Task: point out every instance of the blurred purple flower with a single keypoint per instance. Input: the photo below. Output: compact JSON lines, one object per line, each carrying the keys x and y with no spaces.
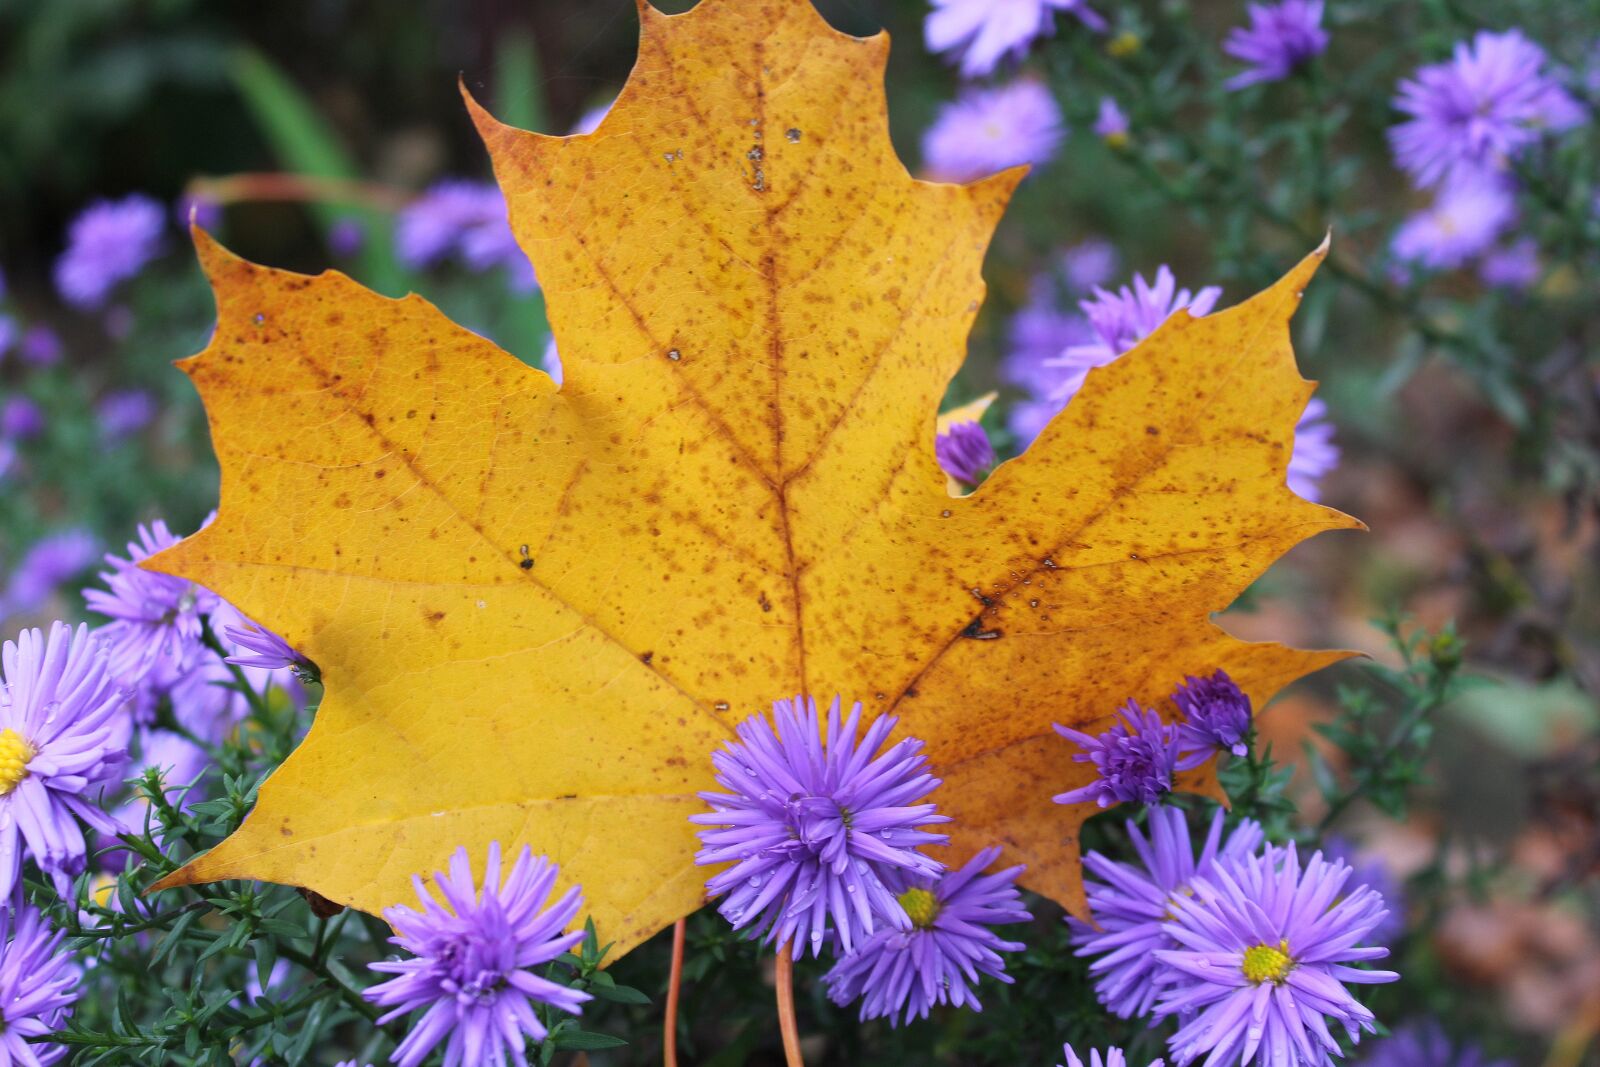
{"x":8,"y":334}
{"x":38,"y":986}
{"x":590,"y":120}
{"x":1479,"y":109}
{"x":345,"y":238}
{"x":201,"y":211}
{"x":466,"y":220}
{"x":1370,"y":870}
{"x":110,"y":242}
{"x":902,"y":974}
{"x":964,"y":452}
{"x":1114,"y":1057}
{"x":8,"y":456}
{"x":40,"y":346}
{"x":984,"y":33}
{"x":1514,"y":266}
{"x":987,"y":130}
{"x":1131,"y":903}
{"x":1134,"y":760}
{"x":1216,"y":718}
{"x":473,"y":961}
{"x":155,"y":633}
{"x":1089,"y":263}
{"x":1425,"y":1044}
{"x":52,"y":560}
{"x":816,"y":828}
{"x":550,"y":361}
{"x":21,"y":419}
{"x":1465,"y":218}
{"x":1266,"y":948}
{"x":123,"y":412}
{"x":1280,"y":38}
{"x":63,"y":740}
{"x":1110,"y":124}
{"x":1028,"y":418}
{"x":1315,"y":454}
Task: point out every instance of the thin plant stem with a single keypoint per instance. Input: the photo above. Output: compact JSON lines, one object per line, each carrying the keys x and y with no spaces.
{"x":669,"y":1028}
{"x":788,"y":1026}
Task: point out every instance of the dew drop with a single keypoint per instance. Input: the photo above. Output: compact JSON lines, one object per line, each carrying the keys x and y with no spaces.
{"x":674,"y":355}
{"x":793,"y":134}
{"x":945,"y":514}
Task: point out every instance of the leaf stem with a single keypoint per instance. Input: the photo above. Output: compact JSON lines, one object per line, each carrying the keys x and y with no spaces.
{"x":788,"y":1026}
{"x":669,"y":1026}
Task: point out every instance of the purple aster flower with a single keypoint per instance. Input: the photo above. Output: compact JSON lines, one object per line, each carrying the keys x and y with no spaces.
{"x":1088,"y":263}
{"x":1265,"y":952}
{"x":123,"y":412}
{"x":984,"y":33}
{"x":109,"y":243}
{"x":474,"y":955}
{"x":1110,"y":124}
{"x":1114,"y":1057}
{"x":155,"y":634}
{"x":1122,"y":319}
{"x":466,"y":220}
{"x":52,"y":560}
{"x":1515,"y":266}
{"x":257,"y":647}
{"x":1280,"y":38}
{"x":1425,"y":1044}
{"x":345,"y":238}
{"x":1464,"y":219}
{"x":964,"y":452}
{"x":902,"y":974}
{"x":1315,"y":454}
{"x":988,"y":130}
{"x":1130,"y":903}
{"x":40,"y":346}
{"x":21,"y":419}
{"x":63,"y":739}
{"x":818,"y":827}
{"x":1482,"y":107}
{"x":1135,"y":759}
{"x":1038,"y":333}
{"x":1370,"y":870}
{"x":1216,"y":718}
{"x":38,"y":986}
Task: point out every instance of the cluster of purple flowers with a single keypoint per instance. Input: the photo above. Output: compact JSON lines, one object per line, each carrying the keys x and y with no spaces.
{"x":1469,"y":120}
{"x":465,"y":221}
{"x":1053,"y":351}
{"x":820,"y":829}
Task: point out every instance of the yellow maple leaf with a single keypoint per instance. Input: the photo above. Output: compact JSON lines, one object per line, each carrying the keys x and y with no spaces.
{"x":537,"y":611}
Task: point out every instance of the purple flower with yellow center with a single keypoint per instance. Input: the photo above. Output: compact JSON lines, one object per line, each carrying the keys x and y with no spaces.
{"x":1280,"y":38}
{"x":155,"y":634}
{"x":1135,"y":759}
{"x":1130,"y":903}
{"x":1123,"y":318}
{"x":63,"y":740}
{"x":106,"y":245}
{"x":819,"y":827}
{"x":1471,"y":115}
{"x":965,"y":452}
{"x":40,"y":347}
{"x":903,"y":974}
{"x":465,"y":220}
{"x":1114,"y":1057}
{"x":1265,"y":953}
{"x":21,"y":419}
{"x":1216,"y":718}
{"x":985,"y":33}
{"x":1110,"y":124}
{"x":52,"y":560}
{"x":1464,"y":220}
{"x":473,"y":955}
{"x":987,"y":130}
{"x":38,"y":986}
{"x":1425,"y":1044}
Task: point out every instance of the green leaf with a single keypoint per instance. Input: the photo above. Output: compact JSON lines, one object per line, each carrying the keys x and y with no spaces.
{"x":584,"y":1040}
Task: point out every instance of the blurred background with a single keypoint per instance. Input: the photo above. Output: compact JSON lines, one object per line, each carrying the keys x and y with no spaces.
{"x":318,"y":133}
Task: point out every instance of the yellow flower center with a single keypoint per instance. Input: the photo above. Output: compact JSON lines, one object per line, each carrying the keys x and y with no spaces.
{"x":921,"y":905}
{"x":1267,"y":964}
{"x":1124,"y":44}
{"x":15,"y":752}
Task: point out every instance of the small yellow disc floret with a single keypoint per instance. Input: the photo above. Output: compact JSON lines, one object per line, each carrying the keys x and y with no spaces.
{"x":1267,"y":964}
{"x":921,"y":905}
{"x":15,"y":752}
